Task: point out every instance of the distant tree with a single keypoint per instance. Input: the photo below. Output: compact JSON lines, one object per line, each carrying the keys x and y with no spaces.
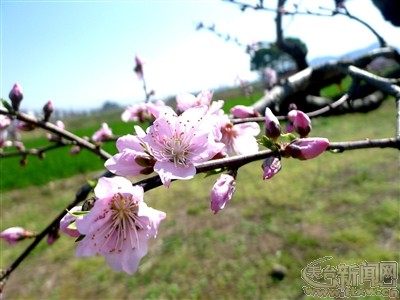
{"x":110,"y":105}
{"x":273,"y":57}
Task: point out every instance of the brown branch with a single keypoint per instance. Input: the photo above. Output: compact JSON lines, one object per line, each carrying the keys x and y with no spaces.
{"x":236,"y":162}
{"x":34,"y":151}
{"x":311,"y":114}
{"x":60,"y":132}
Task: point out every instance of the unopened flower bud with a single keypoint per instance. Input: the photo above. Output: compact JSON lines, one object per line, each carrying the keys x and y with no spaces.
{"x":16,"y":96}
{"x":53,"y":236}
{"x":48,"y":109}
{"x":272,"y":126}
{"x":222,"y":192}
{"x":242,"y":111}
{"x":306,"y":148}
{"x":138,"y":67}
{"x":301,"y":122}
{"x":271,"y":166}
{"x":13,"y":235}
{"x":75,"y":150}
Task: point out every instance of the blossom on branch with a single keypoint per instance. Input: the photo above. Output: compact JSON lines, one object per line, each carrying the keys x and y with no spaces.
{"x":185,"y":101}
{"x":102,"y":134}
{"x":239,"y":138}
{"x":177,"y":143}
{"x":136,"y":113}
{"x":119,"y":225}
{"x":133,"y":157}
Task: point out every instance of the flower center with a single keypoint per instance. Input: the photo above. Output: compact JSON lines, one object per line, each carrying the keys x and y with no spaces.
{"x":124,"y":223}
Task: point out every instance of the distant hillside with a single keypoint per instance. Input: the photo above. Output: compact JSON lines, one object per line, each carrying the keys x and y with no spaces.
{"x":350,"y":55}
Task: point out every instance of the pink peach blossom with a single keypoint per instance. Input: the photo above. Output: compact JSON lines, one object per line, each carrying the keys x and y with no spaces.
{"x":133,"y":157}
{"x":119,"y":225}
{"x":177,"y":143}
{"x":186,"y":100}
{"x":103,"y":133}
{"x":240,"y":138}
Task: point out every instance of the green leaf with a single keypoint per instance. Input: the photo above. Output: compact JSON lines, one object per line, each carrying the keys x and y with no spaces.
{"x":267,"y":142}
{"x":289,"y":136}
{"x":7,"y":105}
{"x":78,"y":213}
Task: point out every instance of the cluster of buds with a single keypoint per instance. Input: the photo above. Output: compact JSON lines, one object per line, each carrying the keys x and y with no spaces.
{"x":301,"y":147}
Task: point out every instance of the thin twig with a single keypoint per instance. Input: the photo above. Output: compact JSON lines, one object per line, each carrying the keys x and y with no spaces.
{"x":57,"y":130}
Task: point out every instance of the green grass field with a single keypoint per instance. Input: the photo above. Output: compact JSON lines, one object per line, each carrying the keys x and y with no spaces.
{"x":342,"y":205}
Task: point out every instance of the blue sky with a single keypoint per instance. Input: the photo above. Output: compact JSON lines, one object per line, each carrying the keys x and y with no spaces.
{"x":81,"y":53}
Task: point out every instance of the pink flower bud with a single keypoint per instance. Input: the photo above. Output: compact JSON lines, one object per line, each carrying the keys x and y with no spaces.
{"x":48,"y":109}
{"x":16,"y":96}
{"x":272,"y":126}
{"x":271,"y":166}
{"x":306,"y":148}
{"x":13,"y":235}
{"x":301,"y":122}
{"x":242,"y":111}
{"x":222,"y":192}
{"x":138,"y":67}
{"x":75,"y":150}
{"x":53,"y":236}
